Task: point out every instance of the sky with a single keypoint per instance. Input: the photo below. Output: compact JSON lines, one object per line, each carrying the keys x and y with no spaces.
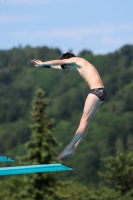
{"x":100,"y":26}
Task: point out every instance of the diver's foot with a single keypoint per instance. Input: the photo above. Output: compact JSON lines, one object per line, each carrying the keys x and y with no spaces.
{"x":66,"y":154}
{"x":5,"y":159}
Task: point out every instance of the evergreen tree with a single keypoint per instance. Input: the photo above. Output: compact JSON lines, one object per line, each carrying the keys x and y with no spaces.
{"x":40,"y":150}
{"x":119,"y":172}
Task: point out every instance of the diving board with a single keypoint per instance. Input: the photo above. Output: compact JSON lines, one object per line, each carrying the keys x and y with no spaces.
{"x":5,"y":159}
{"x":5,"y":171}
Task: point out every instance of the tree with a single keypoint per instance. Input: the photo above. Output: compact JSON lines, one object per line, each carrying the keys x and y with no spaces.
{"x":40,"y":150}
{"x":119,"y":172}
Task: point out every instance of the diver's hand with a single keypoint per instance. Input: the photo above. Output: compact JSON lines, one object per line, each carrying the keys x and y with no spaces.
{"x":37,"y":63}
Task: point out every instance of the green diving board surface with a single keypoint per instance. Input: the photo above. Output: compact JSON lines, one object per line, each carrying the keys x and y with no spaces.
{"x":5,"y":171}
{"x":5,"y":159}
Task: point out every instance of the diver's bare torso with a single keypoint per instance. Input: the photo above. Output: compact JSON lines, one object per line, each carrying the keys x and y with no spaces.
{"x":88,"y":72}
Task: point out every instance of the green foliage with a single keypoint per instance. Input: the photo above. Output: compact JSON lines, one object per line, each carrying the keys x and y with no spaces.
{"x":41,"y":140}
{"x":107,"y":194}
{"x":9,"y":186}
{"x":119,"y":171}
{"x":40,"y":150}
{"x":75,"y":191}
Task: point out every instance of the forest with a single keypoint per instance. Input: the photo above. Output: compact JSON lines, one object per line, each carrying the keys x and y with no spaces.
{"x":109,"y":141}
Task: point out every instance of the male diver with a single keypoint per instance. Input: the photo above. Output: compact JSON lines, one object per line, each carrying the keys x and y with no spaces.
{"x":95,"y":98}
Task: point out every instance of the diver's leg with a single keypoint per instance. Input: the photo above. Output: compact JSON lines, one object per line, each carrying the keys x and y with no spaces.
{"x":92,"y":104}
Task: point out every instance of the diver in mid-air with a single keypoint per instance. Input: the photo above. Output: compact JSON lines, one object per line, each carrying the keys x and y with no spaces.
{"x":95,"y":98}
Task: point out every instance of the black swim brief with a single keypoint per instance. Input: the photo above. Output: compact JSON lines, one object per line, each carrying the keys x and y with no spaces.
{"x":99,"y":92}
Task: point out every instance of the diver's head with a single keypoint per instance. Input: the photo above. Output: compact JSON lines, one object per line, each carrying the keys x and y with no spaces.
{"x":66,"y":56}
